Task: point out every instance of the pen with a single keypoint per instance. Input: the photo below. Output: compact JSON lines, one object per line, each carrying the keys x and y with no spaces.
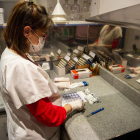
{"x":95,"y":112}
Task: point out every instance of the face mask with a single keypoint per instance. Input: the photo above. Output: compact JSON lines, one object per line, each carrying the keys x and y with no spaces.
{"x":36,"y":48}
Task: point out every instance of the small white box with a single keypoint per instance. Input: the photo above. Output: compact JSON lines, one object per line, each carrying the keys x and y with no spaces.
{"x":116,"y":68}
{"x":1,"y":16}
{"x":80,"y":73}
{"x":57,"y":70}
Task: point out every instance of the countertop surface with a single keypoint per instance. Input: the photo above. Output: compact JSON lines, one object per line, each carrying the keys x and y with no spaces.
{"x":132,"y":82}
{"x":120,"y":115}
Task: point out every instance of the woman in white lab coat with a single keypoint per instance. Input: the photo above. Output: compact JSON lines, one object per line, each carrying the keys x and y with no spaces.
{"x":32,"y":101}
{"x":109,"y":37}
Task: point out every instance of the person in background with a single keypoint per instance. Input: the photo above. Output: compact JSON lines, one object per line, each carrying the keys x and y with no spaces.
{"x":32,"y":101}
{"x":109,"y":37}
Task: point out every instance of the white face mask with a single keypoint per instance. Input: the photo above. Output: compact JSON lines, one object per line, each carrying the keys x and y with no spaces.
{"x":36,"y":48}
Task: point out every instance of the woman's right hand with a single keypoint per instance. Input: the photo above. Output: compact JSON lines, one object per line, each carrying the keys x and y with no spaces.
{"x":77,"y":105}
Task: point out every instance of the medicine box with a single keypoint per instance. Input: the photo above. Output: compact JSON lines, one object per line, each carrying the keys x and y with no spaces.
{"x":1,"y":16}
{"x":116,"y":68}
{"x":57,"y":70}
{"x":81,"y":73}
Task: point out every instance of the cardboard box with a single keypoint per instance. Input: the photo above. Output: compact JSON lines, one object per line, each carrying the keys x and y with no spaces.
{"x":116,"y":68}
{"x":80,"y":74}
{"x":57,"y":70}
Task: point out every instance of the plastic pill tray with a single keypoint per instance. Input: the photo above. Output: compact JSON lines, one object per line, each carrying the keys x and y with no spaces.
{"x":69,"y":97}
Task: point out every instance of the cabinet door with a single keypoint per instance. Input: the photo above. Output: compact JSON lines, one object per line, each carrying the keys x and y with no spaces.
{"x":3,"y":127}
{"x":111,"y":5}
{"x":94,"y":8}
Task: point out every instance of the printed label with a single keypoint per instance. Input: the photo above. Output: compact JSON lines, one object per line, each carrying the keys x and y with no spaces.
{"x":75,"y":59}
{"x":92,"y":54}
{"x":59,"y":51}
{"x":68,"y":54}
{"x":76,"y":51}
{"x":80,"y":48}
{"x":85,"y":56}
{"x":67,"y":58}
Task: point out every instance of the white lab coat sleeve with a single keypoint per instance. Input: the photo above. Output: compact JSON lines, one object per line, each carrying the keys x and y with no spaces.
{"x":117,"y":32}
{"x":25,"y":84}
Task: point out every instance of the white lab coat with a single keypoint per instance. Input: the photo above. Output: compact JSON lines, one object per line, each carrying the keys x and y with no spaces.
{"x":21,"y":83}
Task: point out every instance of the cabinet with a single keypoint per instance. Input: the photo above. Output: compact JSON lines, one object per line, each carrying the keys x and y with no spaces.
{"x":112,"y":5}
{"x":3,"y":126}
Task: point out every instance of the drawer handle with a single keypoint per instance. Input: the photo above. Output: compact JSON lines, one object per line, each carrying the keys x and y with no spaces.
{"x":4,"y":127}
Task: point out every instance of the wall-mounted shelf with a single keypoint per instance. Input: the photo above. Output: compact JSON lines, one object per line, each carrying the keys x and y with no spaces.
{"x":70,"y":23}
{"x":76,"y":23}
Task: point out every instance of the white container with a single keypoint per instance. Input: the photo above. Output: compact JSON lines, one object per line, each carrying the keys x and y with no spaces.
{"x":57,"y":70}
{"x":116,"y":68}
{"x":1,"y":16}
{"x":81,"y":73}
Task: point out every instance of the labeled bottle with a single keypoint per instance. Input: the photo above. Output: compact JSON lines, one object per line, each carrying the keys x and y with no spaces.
{"x":67,"y":8}
{"x":63,"y":62}
{"x":75,"y":53}
{"x":71,"y":64}
{"x":83,"y":60}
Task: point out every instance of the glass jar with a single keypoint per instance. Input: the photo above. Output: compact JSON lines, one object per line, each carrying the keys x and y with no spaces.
{"x":67,"y":8}
{"x":50,"y":11}
{"x":76,"y":10}
{"x":84,"y":11}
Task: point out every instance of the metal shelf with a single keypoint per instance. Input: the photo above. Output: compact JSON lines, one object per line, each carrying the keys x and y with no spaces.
{"x":70,"y":23}
{"x":76,"y":23}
